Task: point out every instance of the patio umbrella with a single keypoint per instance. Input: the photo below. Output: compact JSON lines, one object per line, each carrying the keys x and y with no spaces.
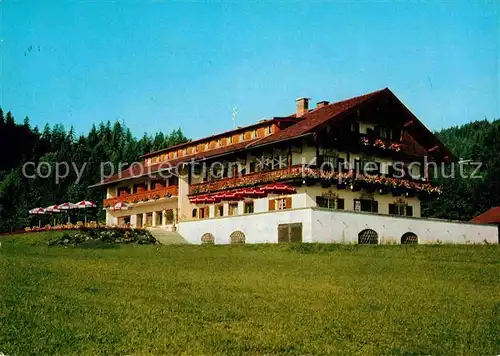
{"x":53,"y":209}
{"x":85,"y":204}
{"x":38,"y":211}
{"x":67,"y":207}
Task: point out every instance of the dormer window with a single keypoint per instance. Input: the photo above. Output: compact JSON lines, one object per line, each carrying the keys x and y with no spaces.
{"x":254,"y":134}
{"x":184,"y":152}
{"x":219,"y":142}
{"x":207,"y":146}
{"x":267,"y":130}
{"x":242,"y":138}
{"x":175,"y":155}
{"x":230,"y":140}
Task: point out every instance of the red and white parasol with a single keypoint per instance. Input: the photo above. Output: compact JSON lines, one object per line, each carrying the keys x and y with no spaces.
{"x":37,"y":211}
{"x":53,"y":209}
{"x":84,"y":204}
{"x":67,"y":206}
{"x":120,"y":206}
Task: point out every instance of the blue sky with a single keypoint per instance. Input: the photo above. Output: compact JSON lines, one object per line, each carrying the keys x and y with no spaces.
{"x":163,"y":65}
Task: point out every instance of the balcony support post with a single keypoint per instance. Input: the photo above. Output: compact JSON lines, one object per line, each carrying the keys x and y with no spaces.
{"x":153,"y":223}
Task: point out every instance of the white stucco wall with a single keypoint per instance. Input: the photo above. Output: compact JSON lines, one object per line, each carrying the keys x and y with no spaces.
{"x":322,"y":225}
{"x":343,"y":227}
{"x":258,"y":228}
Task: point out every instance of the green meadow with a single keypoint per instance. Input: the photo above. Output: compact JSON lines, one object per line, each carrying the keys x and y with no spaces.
{"x":254,"y":299}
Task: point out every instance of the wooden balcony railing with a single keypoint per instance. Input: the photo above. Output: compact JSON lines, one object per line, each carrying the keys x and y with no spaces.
{"x":300,"y":173}
{"x":247,"y":180}
{"x":153,"y":194}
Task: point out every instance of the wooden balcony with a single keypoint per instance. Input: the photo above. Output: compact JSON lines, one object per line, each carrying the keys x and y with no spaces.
{"x":248,"y":180}
{"x":300,"y":174}
{"x":154,"y":194}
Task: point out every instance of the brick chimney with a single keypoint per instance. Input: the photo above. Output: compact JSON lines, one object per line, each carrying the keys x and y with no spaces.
{"x":320,"y":104}
{"x":302,"y":106}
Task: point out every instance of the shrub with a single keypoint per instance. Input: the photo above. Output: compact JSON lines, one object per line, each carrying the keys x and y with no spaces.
{"x":114,"y":235}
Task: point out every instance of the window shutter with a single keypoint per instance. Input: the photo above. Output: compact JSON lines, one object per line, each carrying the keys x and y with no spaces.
{"x":340,"y":204}
{"x":288,"y":203}
{"x":409,"y":210}
{"x":272,"y":204}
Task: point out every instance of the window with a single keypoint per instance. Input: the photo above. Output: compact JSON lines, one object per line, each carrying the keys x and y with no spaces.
{"x":341,"y":165}
{"x":219,"y":210}
{"x":207,"y":146}
{"x":241,"y":138}
{"x":372,"y":168}
{"x":219,"y":142}
{"x":229,"y":140}
{"x":366,"y":205}
{"x":237,"y":237}
{"x":330,"y":203}
{"x":409,"y":238}
{"x":368,"y":236}
{"x":184,"y":152}
{"x":280,"y":203}
{"x":233,"y":208}
{"x":355,"y":127}
{"x":357,"y":165}
{"x":401,"y":209}
{"x":207,"y":239}
{"x":195,"y":213}
{"x":328,"y":162}
{"x":268,"y":130}
{"x":390,"y":170}
{"x":249,"y":207}
{"x":252,"y":167}
{"x":254,"y":134}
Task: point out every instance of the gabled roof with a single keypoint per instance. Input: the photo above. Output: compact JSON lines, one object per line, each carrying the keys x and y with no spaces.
{"x":309,"y":121}
{"x":264,"y":122}
{"x":300,"y":126}
{"x":491,"y":216}
{"x":312,"y":120}
{"x":139,"y":170}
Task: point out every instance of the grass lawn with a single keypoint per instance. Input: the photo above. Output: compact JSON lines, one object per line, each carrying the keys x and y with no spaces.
{"x":255,"y":299}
